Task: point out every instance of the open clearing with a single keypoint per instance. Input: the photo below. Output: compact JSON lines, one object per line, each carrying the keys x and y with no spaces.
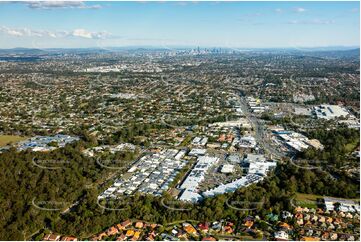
{"x":7,"y":139}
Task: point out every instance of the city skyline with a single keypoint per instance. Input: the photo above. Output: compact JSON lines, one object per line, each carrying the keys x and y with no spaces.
{"x":170,"y":24}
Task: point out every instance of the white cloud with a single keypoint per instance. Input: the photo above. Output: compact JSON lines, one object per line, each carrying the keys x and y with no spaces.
{"x":314,"y":21}
{"x":59,"y":5}
{"x":79,"y":33}
{"x":278,"y":10}
{"x":300,"y":10}
{"x":13,"y":32}
{"x":89,"y":35}
{"x":82,"y":33}
{"x":21,"y":32}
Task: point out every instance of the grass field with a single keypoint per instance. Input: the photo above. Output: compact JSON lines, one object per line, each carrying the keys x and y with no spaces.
{"x":7,"y":139}
{"x":307,"y":200}
{"x":310,"y":200}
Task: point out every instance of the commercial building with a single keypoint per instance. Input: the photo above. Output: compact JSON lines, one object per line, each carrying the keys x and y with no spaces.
{"x":258,"y":168}
{"x":297,"y":141}
{"x":152,"y":174}
{"x":197,"y":175}
{"x":232,"y":186}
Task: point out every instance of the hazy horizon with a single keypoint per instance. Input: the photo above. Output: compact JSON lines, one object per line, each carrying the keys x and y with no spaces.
{"x":79,"y":24}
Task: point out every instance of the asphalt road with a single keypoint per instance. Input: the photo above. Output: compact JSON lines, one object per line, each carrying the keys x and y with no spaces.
{"x":260,"y":135}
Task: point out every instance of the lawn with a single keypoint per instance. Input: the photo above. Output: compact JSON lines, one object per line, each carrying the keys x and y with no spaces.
{"x":8,"y":139}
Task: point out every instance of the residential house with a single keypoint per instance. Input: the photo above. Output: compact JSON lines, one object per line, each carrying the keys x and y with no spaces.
{"x":112,"y":231}
{"x":203,"y":227}
{"x":248,"y":223}
{"x":299,"y":221}
{"x":322,"y":219}
{"x":331,"y":227}
{"x":153,"y":226}
{"x":351,"y":238}
{"x":298,"y":209}
{"x":325,"y":236}
{"x":333,"y":236}
{"x":310,"y":239}
{"x":209,"y":238}
{"x":125,"y":224}
{"x":308,"y":223}
{"x":309,"y":232}
{"x":216,"y":226}
{"x":284,"y":226}
{"x":285,"y":215}
{"x":329,"y":220}
{"x":136,"y":235}
{"x":130,"y":233}
{"x":69,"y":238}
{"x":182,"y":235}
{"x":281,"y":235}
{"x":122,"y":237}
{"x":150,"y":238}
{"x":228,"y":229}
{"x":139,"y":225}
{"x":51,"y":237}
{"x":314,"y":218}
{"x":189,"y":229}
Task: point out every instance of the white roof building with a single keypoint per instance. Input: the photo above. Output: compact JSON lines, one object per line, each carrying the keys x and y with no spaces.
{"x":227,"y":168}
{"x":190,"y":196}
{"x":197,"y":152}
{"x":251,"y":158}
{"x":180,"y":154}
{"x":242,"y":122}
{"x":199,"y":141}
{"x":197,"y":175}
{"x":247,"y":142}
{"x":232,"y":186}
{"x":346,"y":205}
{"x":261,"y":168}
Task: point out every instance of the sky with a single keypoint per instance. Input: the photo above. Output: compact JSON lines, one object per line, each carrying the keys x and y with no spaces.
{"x":169,"y":24}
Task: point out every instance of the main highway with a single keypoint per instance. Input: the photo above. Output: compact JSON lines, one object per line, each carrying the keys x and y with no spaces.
{"x":259,"y":128}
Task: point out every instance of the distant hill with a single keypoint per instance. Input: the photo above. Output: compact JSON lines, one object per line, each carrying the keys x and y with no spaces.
{"x":22,"y":51}
{"x":342,"y":54}
{"x":324,"y":52}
